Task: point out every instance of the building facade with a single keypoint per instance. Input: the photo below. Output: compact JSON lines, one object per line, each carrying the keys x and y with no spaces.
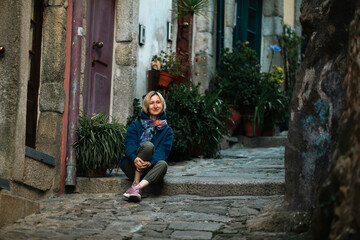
{"x":59,"y":58}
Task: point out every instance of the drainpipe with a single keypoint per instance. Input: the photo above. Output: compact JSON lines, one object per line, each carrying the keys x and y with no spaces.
{"x":74,"y":90}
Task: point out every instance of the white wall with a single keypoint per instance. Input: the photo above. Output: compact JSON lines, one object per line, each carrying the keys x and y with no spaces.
{"x":154,"y":15}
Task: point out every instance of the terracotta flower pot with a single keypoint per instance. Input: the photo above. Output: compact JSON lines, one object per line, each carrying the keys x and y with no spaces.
{"x":233,"y":121}
{"x":165,"y":79}
{"x":179,"y":79}
{"x":248,"y":128}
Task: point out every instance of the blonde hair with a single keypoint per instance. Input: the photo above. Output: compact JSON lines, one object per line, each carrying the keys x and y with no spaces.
{"x":146,"y":102}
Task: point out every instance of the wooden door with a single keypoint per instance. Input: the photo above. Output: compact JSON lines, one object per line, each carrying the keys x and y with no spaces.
{"x":99,"y":49}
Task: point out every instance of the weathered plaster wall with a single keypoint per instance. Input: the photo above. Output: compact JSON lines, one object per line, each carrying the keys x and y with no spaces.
{"x":317,"y":100}
{"x":14,"y":36}
{"x":125,"y":61}
{"x":156,"y":38}
{"x":338,"y":210}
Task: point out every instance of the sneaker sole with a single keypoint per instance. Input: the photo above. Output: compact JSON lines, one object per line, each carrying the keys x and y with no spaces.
{"x":132,"y":197}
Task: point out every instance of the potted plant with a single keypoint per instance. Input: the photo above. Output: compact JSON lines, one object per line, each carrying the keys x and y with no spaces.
{"x":273,"y":102}
{"x":169,"y":65}
{"x":100,"y":144}
{"x":238,"y":77}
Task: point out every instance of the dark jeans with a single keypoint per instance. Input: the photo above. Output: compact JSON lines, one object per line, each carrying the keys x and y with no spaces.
{"x":153,"y":174}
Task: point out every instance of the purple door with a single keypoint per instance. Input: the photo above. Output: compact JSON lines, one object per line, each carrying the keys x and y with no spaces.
{"x":99,"y":49}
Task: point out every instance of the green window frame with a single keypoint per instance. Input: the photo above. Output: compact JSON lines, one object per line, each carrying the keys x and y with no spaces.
{"x":248,"y":23}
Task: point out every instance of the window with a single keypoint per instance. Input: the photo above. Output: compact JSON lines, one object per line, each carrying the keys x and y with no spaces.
{"x":34,"y":71}
{"x":248,"y":23}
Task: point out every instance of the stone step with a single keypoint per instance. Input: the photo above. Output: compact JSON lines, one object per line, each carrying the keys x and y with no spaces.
{"x":173,"y":187}
{"x":258,"y":142}
{"x":239,"y":172}
{"x":14,"y":207}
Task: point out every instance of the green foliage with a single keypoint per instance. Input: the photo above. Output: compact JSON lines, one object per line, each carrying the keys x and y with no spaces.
{"x":290,"y":44}
{"x":169,"y":63}
{"x":100,"y":142}
{"x":272,"y":102}
{"x":196,"y":120}
{"x":238,"y":77}
{"x":190,"y":7}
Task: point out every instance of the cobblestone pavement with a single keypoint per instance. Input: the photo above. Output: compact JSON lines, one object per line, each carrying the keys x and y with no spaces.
{"x":108,"y":216}
{"x":171,"y":216}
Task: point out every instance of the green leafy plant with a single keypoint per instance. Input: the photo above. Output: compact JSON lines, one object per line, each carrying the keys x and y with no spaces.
{"x":169,"y":63}
{"x":291,"y":44}
{"x":196,"y":120}
{"x":272,"y":103}
{"x":100,"y":142}
{"x":190,"y":7}
{"x":238,"y":77}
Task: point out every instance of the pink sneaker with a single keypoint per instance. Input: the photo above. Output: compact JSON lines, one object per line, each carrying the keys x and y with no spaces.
{"x":133,"y":193}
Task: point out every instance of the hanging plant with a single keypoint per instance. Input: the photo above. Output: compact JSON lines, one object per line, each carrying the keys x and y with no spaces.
{"x":191,"y":7}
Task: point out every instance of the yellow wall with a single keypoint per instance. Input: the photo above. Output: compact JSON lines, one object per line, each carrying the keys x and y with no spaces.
{"x":289,"y":8}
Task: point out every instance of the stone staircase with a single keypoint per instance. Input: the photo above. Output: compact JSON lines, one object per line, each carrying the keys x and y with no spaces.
{"x":251,"y":166}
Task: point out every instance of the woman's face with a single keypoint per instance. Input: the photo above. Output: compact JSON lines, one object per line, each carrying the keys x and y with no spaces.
{"x":155,"y":106}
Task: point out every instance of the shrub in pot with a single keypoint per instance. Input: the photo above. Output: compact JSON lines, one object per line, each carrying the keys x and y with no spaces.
{"x":100,"y":143}
{"x":238,"y":77}
{"x":197,"y":121}
{"x":272,"y":104}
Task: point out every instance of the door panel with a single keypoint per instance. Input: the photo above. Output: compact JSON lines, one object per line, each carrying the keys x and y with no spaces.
{"x":99,"y":49}
{"x":101,"y":93}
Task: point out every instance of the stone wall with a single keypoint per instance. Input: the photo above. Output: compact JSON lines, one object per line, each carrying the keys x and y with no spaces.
{"x":317,"y":100}
{"x":338,"y":212}
{"x":126,"y":39}
{"x":203,"y":59}
{"x":52,"y":92}
{"x":14,"y":32}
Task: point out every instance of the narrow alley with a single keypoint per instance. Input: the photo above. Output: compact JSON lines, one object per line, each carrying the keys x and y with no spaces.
{"x":199,"y":199}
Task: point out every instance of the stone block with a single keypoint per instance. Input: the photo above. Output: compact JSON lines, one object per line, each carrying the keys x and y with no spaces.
{"x":38,"y":175}
{"x":228,"y":39}
{"x":14,"y":207}
{"x":203,"y":43}
{"x":230,"y":13}
{"x":56,"y":3}
{"x":49,"y":138}
{"x":126,"y":20}
{"x":203,"y":24}
{"x":272,"y":26}
{"x":54,"y":36}
{"x":124,"y":54}
{"x":124,"y":92}
{"x":22,"y":190}
{"x":101,"y":185}
{"x":52,"y":97}
{"x":273,"y":8}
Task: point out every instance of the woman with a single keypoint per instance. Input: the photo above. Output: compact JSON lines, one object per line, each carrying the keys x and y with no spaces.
{"x":148,"y":143}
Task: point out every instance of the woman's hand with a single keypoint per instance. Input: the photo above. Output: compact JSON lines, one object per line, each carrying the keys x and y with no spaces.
{"x":141,"y":165}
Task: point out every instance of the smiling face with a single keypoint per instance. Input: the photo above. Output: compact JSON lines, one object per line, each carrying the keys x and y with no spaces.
{"x":155,"y":107}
